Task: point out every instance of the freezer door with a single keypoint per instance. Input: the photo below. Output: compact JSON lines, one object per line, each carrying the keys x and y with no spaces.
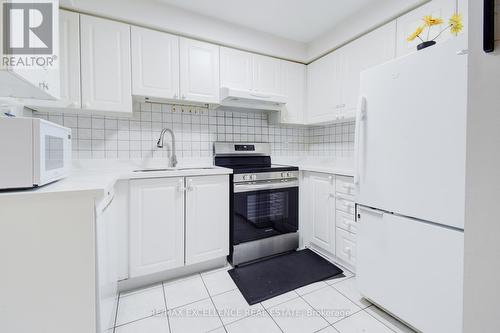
{"x":410,"y":141}
{"x":411,"y":268}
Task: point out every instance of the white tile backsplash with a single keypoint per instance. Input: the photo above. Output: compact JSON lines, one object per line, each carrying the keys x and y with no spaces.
{"x":196,"y":128}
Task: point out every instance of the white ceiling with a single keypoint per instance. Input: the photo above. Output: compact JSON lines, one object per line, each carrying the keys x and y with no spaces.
{"x":299,"y":20}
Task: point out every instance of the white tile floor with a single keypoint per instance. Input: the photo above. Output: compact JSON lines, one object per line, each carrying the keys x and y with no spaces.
{"x":211,"y":302}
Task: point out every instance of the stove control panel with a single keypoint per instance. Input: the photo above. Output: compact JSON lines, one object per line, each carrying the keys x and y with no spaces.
{"x":263,"y":176}
{"x":244,"y":147}
{"x":287,"y":175}
{"x":249,"y":177}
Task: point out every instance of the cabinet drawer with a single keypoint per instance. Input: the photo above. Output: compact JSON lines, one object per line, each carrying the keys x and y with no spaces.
{"x":345,"y":205}
{"x":345,"y":185}
{"x":346,"y":246}
{"x":346,"y":221}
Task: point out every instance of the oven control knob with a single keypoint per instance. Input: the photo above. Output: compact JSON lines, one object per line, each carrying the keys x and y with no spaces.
{"x":283,"y":175}
{"x":289,"y":174}
{"x":253,"y":177}
{"x":246,"y":177}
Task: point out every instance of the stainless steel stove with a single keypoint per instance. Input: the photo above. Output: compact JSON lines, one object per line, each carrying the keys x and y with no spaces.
{"x":264,"y":201}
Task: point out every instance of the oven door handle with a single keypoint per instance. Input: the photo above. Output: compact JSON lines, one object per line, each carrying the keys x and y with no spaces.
{"x":239,"y":188}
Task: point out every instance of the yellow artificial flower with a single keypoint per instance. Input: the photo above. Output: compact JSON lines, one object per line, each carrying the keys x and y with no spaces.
{"x":415,"y":34}
{"x":430,"y":21}
{"x":456,"y":24}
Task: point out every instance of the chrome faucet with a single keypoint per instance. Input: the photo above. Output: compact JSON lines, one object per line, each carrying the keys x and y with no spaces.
{"x":159,"y":144}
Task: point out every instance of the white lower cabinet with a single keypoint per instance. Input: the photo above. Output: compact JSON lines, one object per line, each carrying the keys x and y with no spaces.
{"x":177,"y":221}
{"x":207,"y":218}
{"x":328,"y":221}
{"x":321,"y":210}
{"x":346,"y":247}
{"x":156,"y":225}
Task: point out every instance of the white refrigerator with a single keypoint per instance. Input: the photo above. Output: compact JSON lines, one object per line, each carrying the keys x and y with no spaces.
{"x":410,"y":186}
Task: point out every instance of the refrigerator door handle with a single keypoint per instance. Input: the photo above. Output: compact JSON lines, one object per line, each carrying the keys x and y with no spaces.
{"x":371,"y":211}
{"x":360,"y":116}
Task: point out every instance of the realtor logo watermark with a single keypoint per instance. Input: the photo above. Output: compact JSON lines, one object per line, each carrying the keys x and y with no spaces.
{"x":29,"y":37}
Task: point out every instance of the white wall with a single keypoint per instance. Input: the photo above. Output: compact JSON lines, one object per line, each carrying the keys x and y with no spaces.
{"x":367,"y":19}
{"x":161,"y":16}
{"x":482,"y":220}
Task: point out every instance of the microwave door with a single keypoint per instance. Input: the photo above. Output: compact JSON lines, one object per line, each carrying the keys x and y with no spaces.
{"x":52,"y":153}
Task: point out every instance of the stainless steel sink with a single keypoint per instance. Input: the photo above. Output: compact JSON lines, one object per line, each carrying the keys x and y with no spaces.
{"x":174,"y":169}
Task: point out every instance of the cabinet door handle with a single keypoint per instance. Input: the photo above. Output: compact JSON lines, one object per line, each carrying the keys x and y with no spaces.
{"x":190,"y":186}
{"x":349,"y":187}
{"x":360,"y":116}
{"x":181,"y":186}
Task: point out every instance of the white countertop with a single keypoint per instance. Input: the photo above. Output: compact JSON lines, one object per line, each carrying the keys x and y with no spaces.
{"x":97,"y":177}
{"x":344,"y":167}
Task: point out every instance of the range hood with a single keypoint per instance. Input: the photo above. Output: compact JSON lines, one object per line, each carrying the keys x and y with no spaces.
{"x":250,"y":100}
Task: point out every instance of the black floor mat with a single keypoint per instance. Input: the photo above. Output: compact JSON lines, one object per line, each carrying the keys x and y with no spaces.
{"x":266,"y":279}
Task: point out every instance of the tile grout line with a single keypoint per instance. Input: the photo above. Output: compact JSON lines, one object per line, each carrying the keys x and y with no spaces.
{"x":279,"y":327}
{"x":166,"y":308}
{"x":291,"y":299}
{"x":135,"y":320}
{"x":317,"y":311}
{"x":213,"y":303}
{"x":360,"y":309}
{"x":116,"y":311}
{"x":353,"y":301}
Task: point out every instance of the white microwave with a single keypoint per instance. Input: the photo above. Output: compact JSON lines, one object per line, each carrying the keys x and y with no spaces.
{"x":33,"y":152}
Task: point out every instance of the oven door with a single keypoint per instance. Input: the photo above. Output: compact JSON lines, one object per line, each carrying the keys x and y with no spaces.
{"x":52,"y":152}
{"x":264,"y":209}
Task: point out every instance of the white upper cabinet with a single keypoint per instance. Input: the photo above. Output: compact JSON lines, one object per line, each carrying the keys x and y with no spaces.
{"x":69,"y":55}
{"x":155,"y":63}
{"x":235,"y":69}
{"x":199,"y":71}
{"x":407,"y":23}
{"x":320,"y":89}
{"x":18,"y":77}
{"x":293,"y":85}
{"x":156,"y":225}
{"x":105,"y":64}
{"x":69,"y":66}
{"x":333,"y":80}
{"x":250,"y":72}
{"x":372,"y":49}
{"x":266,"y":75}
{"x":207,"y":218}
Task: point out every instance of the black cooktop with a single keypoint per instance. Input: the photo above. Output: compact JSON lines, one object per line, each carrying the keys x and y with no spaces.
{"x":268,"y":168}
{"x":251,"y":164}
